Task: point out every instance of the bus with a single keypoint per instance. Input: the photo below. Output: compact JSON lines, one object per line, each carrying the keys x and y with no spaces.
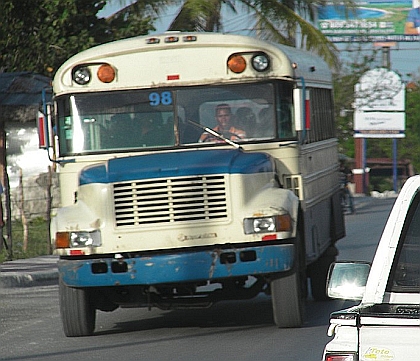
{"x":193,"y":168}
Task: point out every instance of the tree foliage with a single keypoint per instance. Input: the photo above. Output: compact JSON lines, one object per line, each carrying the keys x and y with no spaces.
{"x":39,"y":35}
{"x":344,"y":97}
{"x":409,"y":146}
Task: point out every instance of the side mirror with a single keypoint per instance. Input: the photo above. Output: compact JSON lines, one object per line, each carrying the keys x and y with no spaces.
{"x":302,"y":111}
{"x":347,"y":280}
{"x":44,"y":120}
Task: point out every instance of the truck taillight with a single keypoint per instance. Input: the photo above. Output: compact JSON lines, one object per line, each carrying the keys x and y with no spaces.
{"x":341,"y":357}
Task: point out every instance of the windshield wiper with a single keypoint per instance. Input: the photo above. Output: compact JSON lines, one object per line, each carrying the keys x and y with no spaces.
{"x":216,"y":134}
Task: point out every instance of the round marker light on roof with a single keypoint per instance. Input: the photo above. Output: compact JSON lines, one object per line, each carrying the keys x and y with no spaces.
{"x":82,"y":75}
{"x":236,"y":63}
{"x":106,"y":73}
{"x":260,"y":62}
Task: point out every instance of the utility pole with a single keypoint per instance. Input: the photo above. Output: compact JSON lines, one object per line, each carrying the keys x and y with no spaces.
{"x":386,"y":57}
{"x":386,"y":63}
{"x":5,"y":239}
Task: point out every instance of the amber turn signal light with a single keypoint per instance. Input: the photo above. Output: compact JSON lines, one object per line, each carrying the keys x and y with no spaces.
{"x":106,"y":73}
{"x":236,"y":63}
{"x":62,"y":240}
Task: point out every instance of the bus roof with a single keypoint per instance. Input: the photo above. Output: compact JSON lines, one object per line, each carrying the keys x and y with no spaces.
{"x":152,"y":61}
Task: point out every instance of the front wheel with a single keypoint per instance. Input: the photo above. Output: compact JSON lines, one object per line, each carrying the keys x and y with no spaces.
{"x":288,"y":293}
{"x":78,"y":314}
{"x":287,"y":301}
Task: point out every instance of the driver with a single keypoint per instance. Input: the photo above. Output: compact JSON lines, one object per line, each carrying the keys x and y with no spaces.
{"x":224,"y":126}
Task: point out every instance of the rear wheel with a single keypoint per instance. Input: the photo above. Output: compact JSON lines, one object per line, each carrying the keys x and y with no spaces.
{"x":318,"y":272}
{"x":78,"y":314}
{"x":288,"y":293}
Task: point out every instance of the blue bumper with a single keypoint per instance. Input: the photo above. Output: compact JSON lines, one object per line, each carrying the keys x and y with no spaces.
{"x":187,"y":266}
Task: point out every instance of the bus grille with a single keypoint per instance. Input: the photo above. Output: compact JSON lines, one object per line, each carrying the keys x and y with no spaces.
{"x":155,"y":201}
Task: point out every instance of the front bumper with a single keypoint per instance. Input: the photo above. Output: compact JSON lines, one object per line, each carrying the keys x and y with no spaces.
{"x":180,"y":267}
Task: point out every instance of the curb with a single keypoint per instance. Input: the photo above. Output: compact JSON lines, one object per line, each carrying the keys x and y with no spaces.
{"x":28,"y":280}
{"x":29,"y":272}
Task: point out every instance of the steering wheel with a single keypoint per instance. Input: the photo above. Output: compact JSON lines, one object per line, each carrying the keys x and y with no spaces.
{"x":230,"y":135}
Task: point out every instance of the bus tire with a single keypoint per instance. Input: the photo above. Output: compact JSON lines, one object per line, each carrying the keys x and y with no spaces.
{"x":288,"y":293}
{"x":78,"y":314}
{"x":287,"y":301}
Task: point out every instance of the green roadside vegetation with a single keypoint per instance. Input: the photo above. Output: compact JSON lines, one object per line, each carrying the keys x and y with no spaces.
{"x":37,"y":244}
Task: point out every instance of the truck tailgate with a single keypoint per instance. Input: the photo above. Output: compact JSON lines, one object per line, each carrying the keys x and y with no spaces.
{"x":389,"y":338}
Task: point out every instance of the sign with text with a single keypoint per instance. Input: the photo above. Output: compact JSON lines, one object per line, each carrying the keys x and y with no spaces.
{"x":379,"y":124}
{"x":370,"y":21}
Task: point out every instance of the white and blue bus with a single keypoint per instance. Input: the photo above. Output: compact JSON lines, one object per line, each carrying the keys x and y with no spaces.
{"x":193,"y":168}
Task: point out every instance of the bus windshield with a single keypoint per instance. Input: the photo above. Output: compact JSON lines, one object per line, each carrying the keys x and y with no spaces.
{"x":171,"y":117}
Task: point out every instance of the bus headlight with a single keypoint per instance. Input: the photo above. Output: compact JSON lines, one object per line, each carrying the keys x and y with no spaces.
{"x":82,"y":75}
{"x":260,"y":62}
{"x":85,"y":239}
{"x":78,"y":239}
{"x":278,"y":223}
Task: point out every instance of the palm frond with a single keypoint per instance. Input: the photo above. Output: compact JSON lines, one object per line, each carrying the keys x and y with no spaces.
{"x":199,"y":15}
{"x":279,"y":22}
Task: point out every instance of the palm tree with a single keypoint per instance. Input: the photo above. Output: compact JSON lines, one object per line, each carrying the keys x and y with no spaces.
{"x":134,"y":17}
{"x":200,"y":15}
{"x":287,"y":22}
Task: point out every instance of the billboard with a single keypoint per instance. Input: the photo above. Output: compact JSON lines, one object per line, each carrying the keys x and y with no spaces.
{"x":371,"y":21}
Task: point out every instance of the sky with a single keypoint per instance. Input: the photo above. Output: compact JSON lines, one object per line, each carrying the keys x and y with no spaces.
{"x":404,"y":56}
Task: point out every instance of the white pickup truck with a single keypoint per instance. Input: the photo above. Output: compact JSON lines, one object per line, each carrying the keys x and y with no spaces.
{"x":385,"y":326}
